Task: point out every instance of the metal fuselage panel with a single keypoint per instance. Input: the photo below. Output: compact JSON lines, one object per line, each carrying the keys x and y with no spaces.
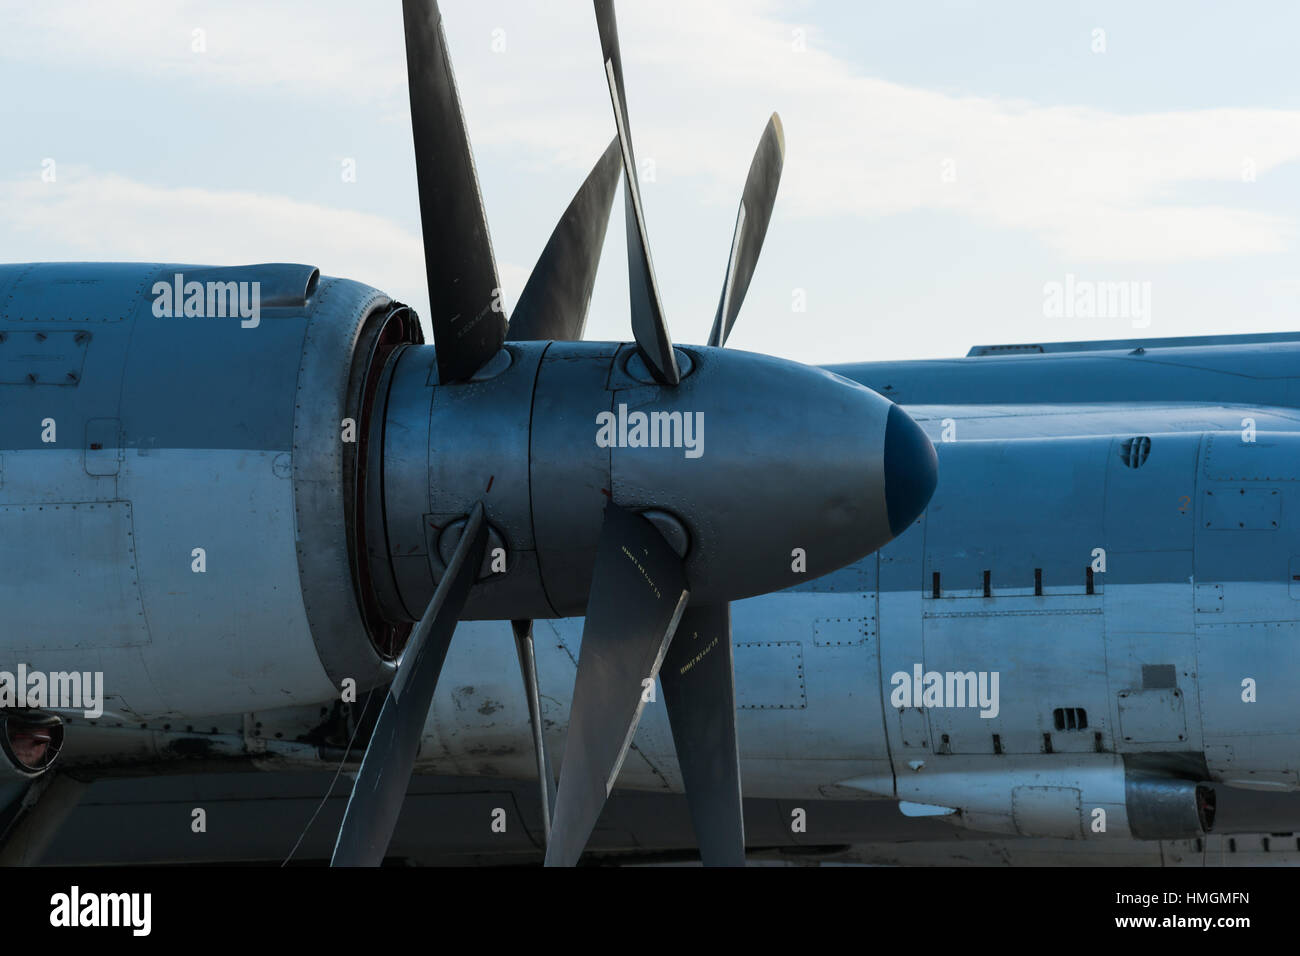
{"x":1189,"y":486}
{"x":147,"y":487}
{"x":1260,"y":374}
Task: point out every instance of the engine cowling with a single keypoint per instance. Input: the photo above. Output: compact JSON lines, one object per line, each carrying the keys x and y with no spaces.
{"x":1065,"y":796}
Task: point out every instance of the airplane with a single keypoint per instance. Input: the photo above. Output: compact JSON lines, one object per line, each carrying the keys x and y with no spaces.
{"x":1046,"y":609}
{"x":237,"y":489}
{"x":1155,"y":689}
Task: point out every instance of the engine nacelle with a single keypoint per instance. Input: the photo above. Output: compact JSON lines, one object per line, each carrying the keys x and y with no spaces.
{"x":231,"y":489}
{"x":178,"y":482}
{"x":1066,"y":796}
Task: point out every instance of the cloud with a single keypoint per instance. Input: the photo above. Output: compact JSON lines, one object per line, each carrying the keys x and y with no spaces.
{"x":329,"y":48}
{"x":81,"y":215}
{"x":1087,"y":183}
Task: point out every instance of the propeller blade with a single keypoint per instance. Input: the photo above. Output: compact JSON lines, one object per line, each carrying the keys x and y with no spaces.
{"x":751,"y":226}
{"x":528,"y":667}
{"x":648,"y":325}
{"x":700,"y":695}
{"x":468,"y":322}
{"x":638,"y":593}
{"x":555,"y":299}
{"x":385,"y":770}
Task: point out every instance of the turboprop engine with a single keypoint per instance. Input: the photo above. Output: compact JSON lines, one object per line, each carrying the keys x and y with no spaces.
{"x":237,"y":488}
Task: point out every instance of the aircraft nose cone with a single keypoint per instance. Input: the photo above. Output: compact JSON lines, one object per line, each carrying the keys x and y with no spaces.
{"x":911,"y":470}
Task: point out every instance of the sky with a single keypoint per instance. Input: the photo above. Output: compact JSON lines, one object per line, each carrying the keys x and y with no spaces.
{"x":947,"y":163}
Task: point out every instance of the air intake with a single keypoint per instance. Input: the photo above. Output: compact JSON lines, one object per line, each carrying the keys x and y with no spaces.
{"x":1134,"y":451}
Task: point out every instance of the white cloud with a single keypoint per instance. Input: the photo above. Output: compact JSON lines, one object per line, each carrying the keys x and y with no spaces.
{"x":702,"y":78}
{"x":81,"y":216}
{"x":330,"y":48}
{"x":1089,"y":183}
{"x":84,"y":211}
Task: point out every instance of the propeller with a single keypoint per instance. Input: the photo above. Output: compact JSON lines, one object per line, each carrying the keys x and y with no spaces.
{"x":638,"y":593}
{"x":751,"y":226}
{"x":554,"y":302}
{"x":698,"y":680}
{"x":866,"y":457}
{"x":464,"y":292}
{"x":649,"y":327}
{"x":386,"y":768}
{"x":528,"y":668}
{"x":637,"y":629}
{"x":468,"y":329}
{"x":623,"y":641}
{"x":554,"y":306}
{"x":700,"y":696}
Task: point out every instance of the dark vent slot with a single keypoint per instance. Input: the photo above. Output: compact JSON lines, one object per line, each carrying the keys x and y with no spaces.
{"x":936,"y":584}
{"x":1088,"y":574}
{"x":1134,"y":451}
{"x":1038,"y":582}
{"x":1070,"y":718}
{"x":988,"y":584}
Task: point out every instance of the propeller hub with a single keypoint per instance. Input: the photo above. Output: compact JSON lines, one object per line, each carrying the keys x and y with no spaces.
{"x":761,"y":472}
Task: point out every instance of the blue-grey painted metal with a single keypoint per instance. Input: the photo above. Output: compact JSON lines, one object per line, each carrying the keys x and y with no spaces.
{"x":1111,"y":535}
{"x":181,"y":484}
{"x":546,"y":437}
{"x":174,"y":517}
{"x":1125,"y":567}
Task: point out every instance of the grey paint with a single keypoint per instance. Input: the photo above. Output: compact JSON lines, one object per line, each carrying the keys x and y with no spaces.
{"x":1188,"y":607}
{"x":197,"y":421}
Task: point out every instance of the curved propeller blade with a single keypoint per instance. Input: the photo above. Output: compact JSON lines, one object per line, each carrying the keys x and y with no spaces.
{"x":648,"y":324}
{"x":751,"y":226}
{"x":458,"y":261}
{"x":700,"y":694}
{"x":528,"y":668}
{"x":638,"y":593}
{"x":385,"y":770}
{"x":555,"y":299}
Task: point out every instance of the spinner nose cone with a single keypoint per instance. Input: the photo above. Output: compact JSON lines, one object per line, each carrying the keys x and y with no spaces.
{"x":911,"y":470}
